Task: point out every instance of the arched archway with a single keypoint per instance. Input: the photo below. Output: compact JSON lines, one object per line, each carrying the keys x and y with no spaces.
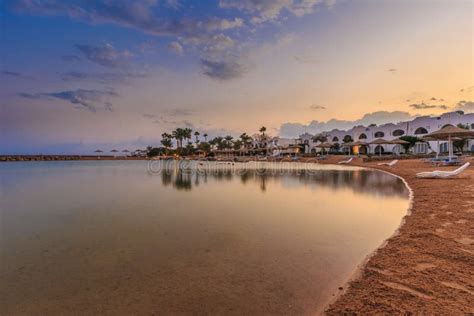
{"x":363,"y":150}
{"x":335,"y":139}
{"x":362,"y":136}
{"x":397,"y":149}
{"x":421,"y":131}
{"x":379,"y":149}
{"x":446,"y":125}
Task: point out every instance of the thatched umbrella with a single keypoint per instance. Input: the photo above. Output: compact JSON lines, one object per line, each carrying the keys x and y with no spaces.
{"x":380,"y":141}
{"x":448,"y":133}
{"x":399,"y":141}
{"x":98,"y":151}
{"x":323,"y":146}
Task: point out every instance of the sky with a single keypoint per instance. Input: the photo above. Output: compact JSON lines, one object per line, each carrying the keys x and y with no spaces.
{"x":79,"y":75}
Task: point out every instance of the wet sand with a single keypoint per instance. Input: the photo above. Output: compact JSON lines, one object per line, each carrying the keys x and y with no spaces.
{"x":428,"y":267}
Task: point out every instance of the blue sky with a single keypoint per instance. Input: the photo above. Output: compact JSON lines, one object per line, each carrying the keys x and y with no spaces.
{"x":76,"y":75}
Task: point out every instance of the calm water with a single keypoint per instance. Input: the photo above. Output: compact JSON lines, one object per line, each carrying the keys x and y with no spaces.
{"x":113,"y":238}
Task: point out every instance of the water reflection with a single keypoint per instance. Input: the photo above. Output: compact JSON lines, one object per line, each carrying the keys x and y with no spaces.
{"x":360,"y":181}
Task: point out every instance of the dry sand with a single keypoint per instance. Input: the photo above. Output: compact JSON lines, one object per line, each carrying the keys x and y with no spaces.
{"x":428,"y":267}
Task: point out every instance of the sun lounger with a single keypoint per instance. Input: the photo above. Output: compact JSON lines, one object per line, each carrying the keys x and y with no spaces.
{"x":345,"y":162}
{"x":390,"y":164}
{"x":443,"y":174}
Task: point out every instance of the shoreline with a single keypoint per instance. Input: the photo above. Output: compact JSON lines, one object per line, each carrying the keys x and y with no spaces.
{"x":403,"y":276}
{"x":358,"y":270}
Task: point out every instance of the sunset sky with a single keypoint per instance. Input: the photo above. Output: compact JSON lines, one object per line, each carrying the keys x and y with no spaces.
{"x":79,"y":75}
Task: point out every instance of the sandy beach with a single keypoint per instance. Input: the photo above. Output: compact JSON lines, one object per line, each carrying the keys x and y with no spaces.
{"x":427,"y":267}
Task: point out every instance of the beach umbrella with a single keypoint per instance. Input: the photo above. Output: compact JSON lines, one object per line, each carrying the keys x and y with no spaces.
{"x":98,"y":151}
{"x":380,"y":141}
{"x":323,"y":146}
{"x":349,"y":145}
{"x":114,"y":151}
{"x":449,"y":133}
{"x":399,"y":141}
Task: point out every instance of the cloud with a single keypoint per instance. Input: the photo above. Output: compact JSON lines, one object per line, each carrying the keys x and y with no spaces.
{"x":176,"y":48}
{"x":82,"y":98}
{"x":105,"y":55}
{"x":10,"y":73}
{"x":392,"y":70}
{"x":265,"y":10}
{"x":314,"y":127}
{"x":146,"y":15}
{"x":317,"y":107}
{"x":150,"y":116}
{"x":173,"y":4}
{"x":217,"y":24}
{"x":14,"y":74}
{"x":306,"y":59}
{"x":124,"y":77}
{"x":468,"y":89}
{"x":179,"y":112}
{"x":70,"y":58}
{"x":424,"y":106}
{"x":222,"y":70}
{"x":466,"y":106}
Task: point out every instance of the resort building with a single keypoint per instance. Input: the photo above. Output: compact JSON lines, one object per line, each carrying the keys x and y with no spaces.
{"x":358,"y":138}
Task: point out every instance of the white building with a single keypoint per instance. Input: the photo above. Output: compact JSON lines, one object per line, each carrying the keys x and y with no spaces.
{"x":418,"y":127}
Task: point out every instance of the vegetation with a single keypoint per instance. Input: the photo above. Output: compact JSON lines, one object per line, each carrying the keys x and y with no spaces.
{"x":459,"y":144}
{"x":184,"y":144}
{"x":412,"y":140}
{"x":320,"y":138}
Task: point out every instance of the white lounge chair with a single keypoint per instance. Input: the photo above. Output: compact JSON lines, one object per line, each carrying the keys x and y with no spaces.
{"x":443,"y":174}
{"x":345,"y":162}
{"x":390,"y":164}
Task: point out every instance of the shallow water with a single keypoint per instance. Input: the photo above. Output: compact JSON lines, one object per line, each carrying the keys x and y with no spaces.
{"x":111,"y":237}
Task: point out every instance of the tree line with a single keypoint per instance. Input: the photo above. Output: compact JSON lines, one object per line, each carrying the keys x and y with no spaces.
{"x":185,"y":141}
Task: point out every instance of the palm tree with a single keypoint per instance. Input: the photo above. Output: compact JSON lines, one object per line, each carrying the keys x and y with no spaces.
{"x":238,"y":144}
{"x":205,"y":137}
{"x":187,"y":132}
{"x":246,"y":139}
{"x":262,"y":130}
{"x":218,"y":142}
{"x":178,"y":134}
{"x":166,"y":141}
{"x":228,"y":141}
{"x":196,"y":134}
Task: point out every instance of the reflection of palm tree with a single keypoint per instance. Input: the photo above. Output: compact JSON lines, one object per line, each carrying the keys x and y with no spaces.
{"x":263,"y":186}
{"x":183,"y":181}
{"x":205,"y":137}
{"x":166,"y":177}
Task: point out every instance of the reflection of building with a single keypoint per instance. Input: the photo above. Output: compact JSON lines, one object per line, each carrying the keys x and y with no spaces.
{"x":359,"y":137}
